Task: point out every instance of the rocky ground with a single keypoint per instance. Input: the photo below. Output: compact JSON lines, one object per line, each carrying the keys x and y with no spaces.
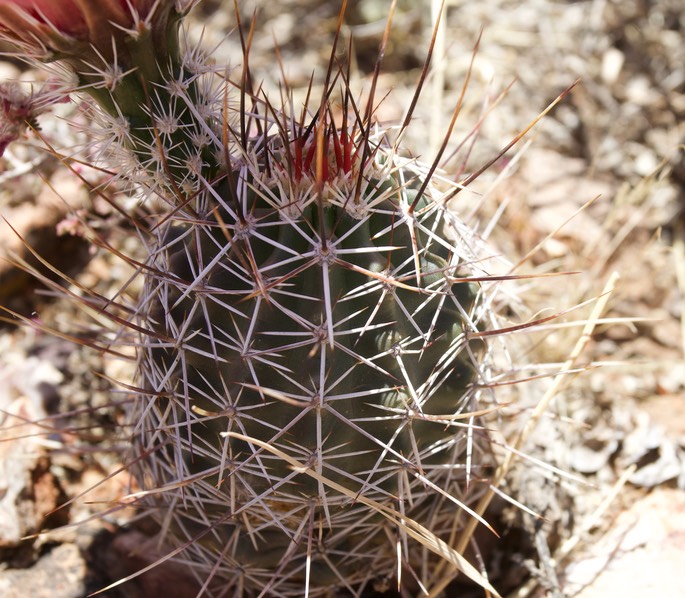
{"x":596,"y":188}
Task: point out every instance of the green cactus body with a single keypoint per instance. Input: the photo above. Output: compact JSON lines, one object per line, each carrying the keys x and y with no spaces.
{"x":330,"y":328}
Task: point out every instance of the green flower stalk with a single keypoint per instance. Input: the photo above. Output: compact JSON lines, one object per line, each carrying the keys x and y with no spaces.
{"x":125,"y":54}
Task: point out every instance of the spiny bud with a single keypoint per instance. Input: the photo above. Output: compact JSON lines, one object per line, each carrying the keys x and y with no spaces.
{"x":59,"y":28}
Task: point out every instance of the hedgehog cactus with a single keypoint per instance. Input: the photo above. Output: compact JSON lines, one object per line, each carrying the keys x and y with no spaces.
{"x":311,"y":328}
{"x":315,"y":342}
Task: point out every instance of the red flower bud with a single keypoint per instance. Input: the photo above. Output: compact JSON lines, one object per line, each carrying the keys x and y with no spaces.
{"x":46,"y":27}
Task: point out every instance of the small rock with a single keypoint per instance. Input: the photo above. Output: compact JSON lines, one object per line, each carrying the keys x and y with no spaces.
{"x":29,"y":492}
{"x":58,"y":574}
{"x":642,"y":555}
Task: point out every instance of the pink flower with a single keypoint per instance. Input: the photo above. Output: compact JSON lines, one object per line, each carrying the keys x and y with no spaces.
{"x":64,"y":15}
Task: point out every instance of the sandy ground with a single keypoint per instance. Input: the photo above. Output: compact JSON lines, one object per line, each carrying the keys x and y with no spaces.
{"x":594,"y":189}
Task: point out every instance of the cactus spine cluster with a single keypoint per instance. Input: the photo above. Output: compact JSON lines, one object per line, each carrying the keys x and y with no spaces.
{"x":311,"y":349}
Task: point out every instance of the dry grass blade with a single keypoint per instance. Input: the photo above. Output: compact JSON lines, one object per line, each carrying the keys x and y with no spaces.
{"x":679,"y":259}
{"x":530,"y":425}
{"x":413,"y":529}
